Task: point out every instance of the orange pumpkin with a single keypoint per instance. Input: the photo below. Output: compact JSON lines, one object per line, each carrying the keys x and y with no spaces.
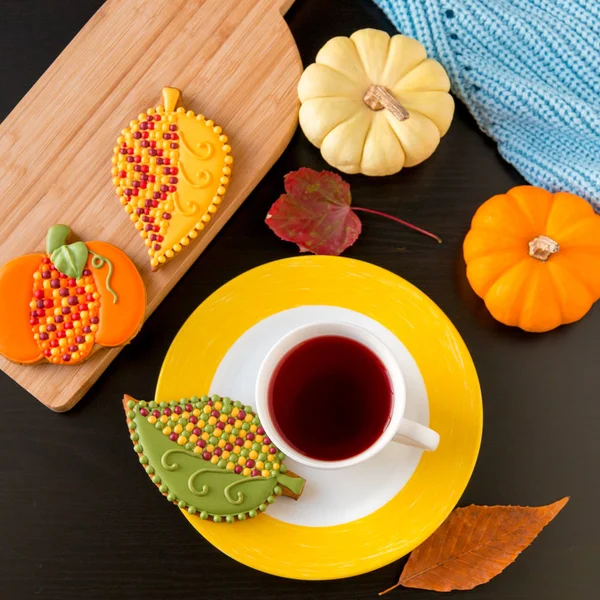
{"x":534,"y":257}
{"x":57,"y":306}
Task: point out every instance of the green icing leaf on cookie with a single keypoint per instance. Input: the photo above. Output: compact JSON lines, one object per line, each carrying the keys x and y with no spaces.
{"x":71,"y":259}
{"x":215,"y":475}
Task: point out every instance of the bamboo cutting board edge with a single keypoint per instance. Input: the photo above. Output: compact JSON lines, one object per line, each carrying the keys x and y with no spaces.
{"x":261,"y":18}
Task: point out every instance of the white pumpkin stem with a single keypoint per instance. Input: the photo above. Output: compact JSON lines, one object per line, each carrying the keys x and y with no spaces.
{"x":542,"y":247}
{"x":378,"y":97}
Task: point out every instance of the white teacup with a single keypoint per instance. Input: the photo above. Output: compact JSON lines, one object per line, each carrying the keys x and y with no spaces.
{"x":399,"y":429}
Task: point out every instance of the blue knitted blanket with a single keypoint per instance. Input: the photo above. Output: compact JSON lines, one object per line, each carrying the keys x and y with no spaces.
{"x":529,"y":72}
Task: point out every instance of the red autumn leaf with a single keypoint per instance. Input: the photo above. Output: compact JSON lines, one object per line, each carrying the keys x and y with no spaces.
{"x":474,"y":545}
{"x":315,"y":213}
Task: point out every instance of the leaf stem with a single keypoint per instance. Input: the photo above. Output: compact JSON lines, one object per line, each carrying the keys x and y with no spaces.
{"x":389,"y":589}
{"x":405,"y":223}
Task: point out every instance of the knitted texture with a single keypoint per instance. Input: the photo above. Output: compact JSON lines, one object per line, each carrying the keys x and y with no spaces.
{"x":529,"y":72}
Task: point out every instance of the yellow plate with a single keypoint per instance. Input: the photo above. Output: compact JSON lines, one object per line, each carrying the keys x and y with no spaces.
{"x":389,"y":533}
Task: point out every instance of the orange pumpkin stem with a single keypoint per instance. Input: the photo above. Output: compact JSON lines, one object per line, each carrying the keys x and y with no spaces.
{"x":542,"y":247}
{"x":379,"y":97}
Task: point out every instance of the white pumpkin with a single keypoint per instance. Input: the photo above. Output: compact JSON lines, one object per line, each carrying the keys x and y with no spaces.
{"x":374,"y":104}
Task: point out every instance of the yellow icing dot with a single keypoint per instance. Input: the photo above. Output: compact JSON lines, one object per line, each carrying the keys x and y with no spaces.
{"x":189,"y":427}
{"x":214,"y":460}
{"x":212,"y":420}
{"x":174,"y":417}
{"x":238,"y":423}
{"x":223,"y":418}
{"x":167,"y":430}
{"x":205,"y":436}
{"x":226,"y":454}
{"x":217,"y":432}
{"x":246,"y":471}
{"x":253,"y":453}
{"x":222,"y":443}
{"x":178,"y":428}
{"x":152,"y":419}
{"x":260,"y":464}
{"x":249,"y":418}
{"x":182,"y":440}
{"x":265,"y":449}
{"x":62,"y":342}
{"x":276,"y":466}
{"x":242,"y":433}
{"x":271,"y":457}
{"x":75,"y":356}
{"x":258,"y":438}
{"x":201,"y":424}
{"x":228,"y":428}
{"x":210,"y":448}
{"x":241,"y":460}
{"x":185,"y":414}
{"x":207,"y":409}
{"x":236,"y":449}
{"x":218,"y":405}
{"x":198,"y":450}
{"x":235,"y":412}
{"x":196,"y":412}
{"x":247,"y":444}
{"x":253,"y":428}
{"x":230,"y":466}
{"x":232,"y":438}
{"x":266,"y":473}
{"x":193,"y":438}
{"x":164,"y":419}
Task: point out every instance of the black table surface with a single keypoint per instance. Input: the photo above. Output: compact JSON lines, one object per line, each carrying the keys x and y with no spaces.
{"x":78,"y":517}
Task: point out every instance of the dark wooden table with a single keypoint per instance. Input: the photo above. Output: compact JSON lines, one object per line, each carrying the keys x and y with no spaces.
{"x":78,"y":518}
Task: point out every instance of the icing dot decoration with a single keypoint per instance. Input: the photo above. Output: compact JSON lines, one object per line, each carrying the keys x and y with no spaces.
{"x":170,"y":169}
{"x":198,"y":471}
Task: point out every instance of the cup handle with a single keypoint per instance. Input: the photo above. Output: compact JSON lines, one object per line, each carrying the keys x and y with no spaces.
{"x":415,"y":434}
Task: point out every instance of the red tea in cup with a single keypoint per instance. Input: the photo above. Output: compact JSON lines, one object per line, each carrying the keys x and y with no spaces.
{"x":330,"y":398}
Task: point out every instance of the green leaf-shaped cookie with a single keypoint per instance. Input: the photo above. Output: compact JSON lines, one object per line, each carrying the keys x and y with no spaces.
{"x":210,"y":456}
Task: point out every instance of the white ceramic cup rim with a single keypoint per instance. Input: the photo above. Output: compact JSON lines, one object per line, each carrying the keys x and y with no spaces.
{"x":342,"y":329}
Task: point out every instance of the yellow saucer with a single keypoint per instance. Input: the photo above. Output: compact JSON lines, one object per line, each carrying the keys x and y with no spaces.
{"x":389,"y":533}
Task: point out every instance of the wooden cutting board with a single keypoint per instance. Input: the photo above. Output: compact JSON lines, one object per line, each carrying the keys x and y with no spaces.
{"x":235,"y":61}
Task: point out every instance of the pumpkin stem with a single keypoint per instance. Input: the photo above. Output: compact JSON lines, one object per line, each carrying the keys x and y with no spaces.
{"x":171,"y":98}
{"x":378,"y":97}
{"x":542,"y":247}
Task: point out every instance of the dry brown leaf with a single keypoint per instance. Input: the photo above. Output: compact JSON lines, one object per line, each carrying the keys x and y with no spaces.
{"x":474,"y":545}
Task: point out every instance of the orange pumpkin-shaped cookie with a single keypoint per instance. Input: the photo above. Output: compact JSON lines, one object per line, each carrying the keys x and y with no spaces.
{"x":56,"y":306}
{"x":534,"y":257}
{"x":171,"y":169}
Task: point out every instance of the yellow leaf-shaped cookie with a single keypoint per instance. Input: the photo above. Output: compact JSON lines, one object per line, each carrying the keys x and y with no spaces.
{"x":171,"y":169}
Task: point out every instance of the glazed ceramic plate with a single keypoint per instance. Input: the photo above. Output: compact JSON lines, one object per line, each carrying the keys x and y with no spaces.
{"x":354,"y":520}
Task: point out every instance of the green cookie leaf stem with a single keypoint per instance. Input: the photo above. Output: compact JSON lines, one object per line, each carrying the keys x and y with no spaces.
{"x":56,"y":237}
